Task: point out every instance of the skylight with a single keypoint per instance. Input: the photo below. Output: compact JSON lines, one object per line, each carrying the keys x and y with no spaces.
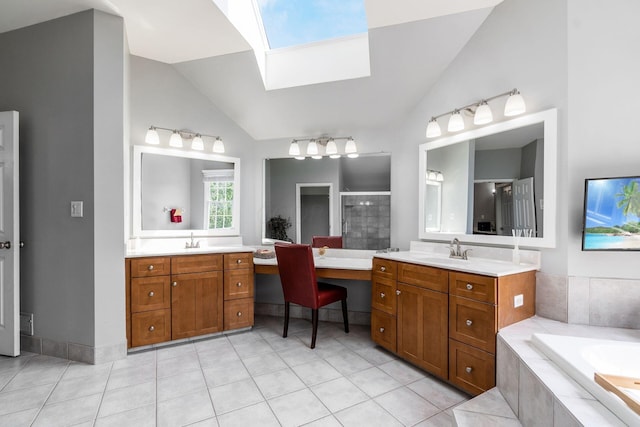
{"x":295,"y":22}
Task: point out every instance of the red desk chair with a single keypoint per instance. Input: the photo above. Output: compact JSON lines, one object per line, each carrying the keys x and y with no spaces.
{"x":328,"y":241}
{"x":300,"y":286}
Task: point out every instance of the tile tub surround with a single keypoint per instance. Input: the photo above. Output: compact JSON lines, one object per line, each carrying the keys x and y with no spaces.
{"x":250,"y":378}
{"x":588,"y":301}
{"x":538,"y":392}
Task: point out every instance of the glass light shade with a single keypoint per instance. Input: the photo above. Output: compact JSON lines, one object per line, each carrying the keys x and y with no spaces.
{"x":175,"y":140}
{"x":514,"y":105}
{"x":299,"y":157}
{"x":197,"y":143}
{"x":456,"y":122}
{"x":433,"y":129}
{"x":316,"y":157}
{"x":350,"y":147}
{"x":353,"y":155}
{"x":312,"y":148}
{"x":431,"y":176}
{"x":335,"y":156}
{"x":483,"y":114}
{"x":331,"y":147}
{"x":294,"y":149}
{"x":218,"y":146}
{"x":439,"y":177}
{"x":152,"y":136}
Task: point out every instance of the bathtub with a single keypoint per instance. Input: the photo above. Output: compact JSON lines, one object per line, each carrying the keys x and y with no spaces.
{"x":581,"y":357}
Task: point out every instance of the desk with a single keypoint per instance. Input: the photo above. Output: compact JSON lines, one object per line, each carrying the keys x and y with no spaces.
{"x":326,"y":267}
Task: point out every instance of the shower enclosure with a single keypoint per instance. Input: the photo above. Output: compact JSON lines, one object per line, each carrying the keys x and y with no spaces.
{"x":365,"y":220}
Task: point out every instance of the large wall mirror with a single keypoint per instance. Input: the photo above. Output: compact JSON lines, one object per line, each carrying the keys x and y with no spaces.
{"x":486,"y":184}
{"x":329,"y":197}
{"x":176,"y":193}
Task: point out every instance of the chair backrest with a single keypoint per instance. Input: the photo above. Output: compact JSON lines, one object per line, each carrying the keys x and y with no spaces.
{"x":328,"y":241}
{"x":297,"y":274}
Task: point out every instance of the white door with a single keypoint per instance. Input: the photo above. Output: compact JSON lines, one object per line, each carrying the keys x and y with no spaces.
{"x":524,"y":205}
{"x":9,"y":236}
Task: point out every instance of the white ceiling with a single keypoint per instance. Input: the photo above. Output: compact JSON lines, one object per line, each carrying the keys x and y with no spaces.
{"x":411,"y":44}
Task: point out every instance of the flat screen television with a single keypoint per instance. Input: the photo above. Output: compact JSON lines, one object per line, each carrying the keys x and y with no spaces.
{"x":611,"y":214}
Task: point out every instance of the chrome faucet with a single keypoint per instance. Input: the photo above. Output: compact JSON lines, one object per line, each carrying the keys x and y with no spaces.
{"x":192,"y":244}
{"x":456,"y":252}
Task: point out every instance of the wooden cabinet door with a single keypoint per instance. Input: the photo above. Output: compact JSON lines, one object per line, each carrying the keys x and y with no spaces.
{"x":383,"y":294}
{"x":238,"y":284}
{"x":422,"y":328}
{"x":238,"y":313}
{"x":196,"y":304}
{"x":383,"y":329}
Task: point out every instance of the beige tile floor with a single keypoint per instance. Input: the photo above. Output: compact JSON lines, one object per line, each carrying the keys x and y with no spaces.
{"x":250,"y":378}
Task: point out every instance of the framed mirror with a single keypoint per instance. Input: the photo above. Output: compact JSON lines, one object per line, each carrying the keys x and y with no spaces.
{"x":493,"y":180}
{"x":176,"y":193}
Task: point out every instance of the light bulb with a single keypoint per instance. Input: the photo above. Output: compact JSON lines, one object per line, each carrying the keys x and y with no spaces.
{"x":299,"y":157}
{"x":456,"y":122}
{"x":335,"y":156}
{"x":197,"y":143}
{"x":433,"y":129}
{"x":294,"y":148}
{"x":152,"y":136}
{"x":218,"y":145}
{"x":353,"y":155}
{"x":175,"y":140}
{"x":515,"y":104}
{"x":483,"y":114}
{"x":312,"y":148}
{"x":439,"y":177}
{"x":316,"y":157}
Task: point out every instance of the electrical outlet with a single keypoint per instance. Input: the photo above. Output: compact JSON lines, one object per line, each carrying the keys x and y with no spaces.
{"x":77,"y":209}
{"x":518,"y":301}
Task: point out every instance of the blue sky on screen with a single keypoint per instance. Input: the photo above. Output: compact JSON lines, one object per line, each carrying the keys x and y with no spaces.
{"x":294,"y":22}
{"x":602,"y":203}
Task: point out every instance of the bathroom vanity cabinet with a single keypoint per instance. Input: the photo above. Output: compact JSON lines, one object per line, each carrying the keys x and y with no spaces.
{"x":445,"y":321}
{"x":175,"y":297}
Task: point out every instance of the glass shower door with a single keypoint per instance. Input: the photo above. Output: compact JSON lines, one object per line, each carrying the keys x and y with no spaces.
{"x":366,"y":220}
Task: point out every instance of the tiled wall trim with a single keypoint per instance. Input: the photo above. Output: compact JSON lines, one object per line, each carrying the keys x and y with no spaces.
{"x":71,"y":351}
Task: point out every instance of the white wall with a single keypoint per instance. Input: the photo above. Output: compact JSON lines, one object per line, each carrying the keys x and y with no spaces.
{"x":604,"y":87}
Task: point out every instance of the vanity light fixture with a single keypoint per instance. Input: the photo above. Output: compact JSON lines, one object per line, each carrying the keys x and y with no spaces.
{"x":433,"y":175}
{"x":330,"y":147}
{"x":481,"y":112}
{"x":177,"y":137}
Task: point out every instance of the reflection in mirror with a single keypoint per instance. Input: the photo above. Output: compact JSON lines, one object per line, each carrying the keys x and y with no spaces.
{"x":432,"y":205}
{"x":496,"y":179}
{"x":359,"y":210}
{"x":179,"y":192}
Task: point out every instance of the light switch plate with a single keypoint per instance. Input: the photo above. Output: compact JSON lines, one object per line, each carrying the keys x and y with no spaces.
{"x":77,"y":209}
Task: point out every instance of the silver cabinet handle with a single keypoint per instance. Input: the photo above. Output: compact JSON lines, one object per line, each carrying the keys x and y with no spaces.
{"x":239,"y":284}
{"x":398,"y":292}
{"x":5,"y":245}
{"x":239,"y":261}
{"x":239,"y":314}
{"x":382,"y":295}
{"x":469,"y":322}
{"x":150,"y":268}
{"x":383,"y":268}
{"x":469,"y":286}
{"x":152,"y":328}
{"x":174,"y":284}
{"x":381,"y":329}
{"x":468,"y":369}
{"x":151,"y":293}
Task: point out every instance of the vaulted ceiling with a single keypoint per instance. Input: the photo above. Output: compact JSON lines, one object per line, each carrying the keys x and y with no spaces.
{"x":411,"y":43}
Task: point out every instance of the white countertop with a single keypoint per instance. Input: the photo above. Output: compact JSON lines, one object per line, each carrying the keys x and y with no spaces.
{"x":182,"y":251}
{"x":483,"y":266}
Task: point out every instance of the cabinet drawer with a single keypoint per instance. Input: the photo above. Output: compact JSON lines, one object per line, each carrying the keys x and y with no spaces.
{"x":195,"y":263}
{"x":473,"y":323}
{"x":150,"y":327}
{"x":471,"y":369}
{"x":153,"y":266}
{"x":241,"y":260}
{"x":150,"y":293}
{"x":383,"y":329}
{"x":473,"y":286}
{"x":384,"y":268}
{"x":383,"y":294}
{"x":238,"y":313}
{"x":238,"y":284}
{"x":422,"y":276}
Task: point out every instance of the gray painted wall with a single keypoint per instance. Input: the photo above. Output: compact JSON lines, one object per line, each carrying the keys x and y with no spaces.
{"x":498,"y":164}
{"x":65,"y":77}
